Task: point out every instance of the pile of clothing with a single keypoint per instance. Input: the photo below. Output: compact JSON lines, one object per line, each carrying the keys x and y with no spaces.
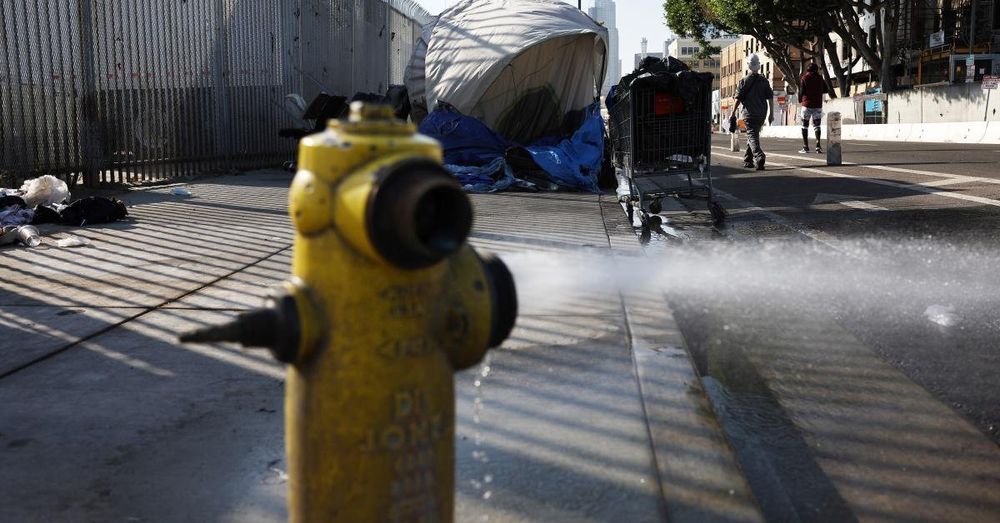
{"x":45,"y":200}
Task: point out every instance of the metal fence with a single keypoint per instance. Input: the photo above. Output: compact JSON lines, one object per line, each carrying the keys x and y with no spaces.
{"x":135,"y":90}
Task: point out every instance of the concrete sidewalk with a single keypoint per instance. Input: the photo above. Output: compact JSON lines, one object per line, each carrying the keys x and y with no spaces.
{"x":590,"y":412}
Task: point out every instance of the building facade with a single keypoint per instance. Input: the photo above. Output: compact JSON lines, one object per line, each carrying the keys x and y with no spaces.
{"x":733,"y":67}
{"x":934,"y":40}
{"x":605,"y":12}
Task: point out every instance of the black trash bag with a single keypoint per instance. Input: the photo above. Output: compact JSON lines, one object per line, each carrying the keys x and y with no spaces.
{"x":606,"y":179}
{"x":368,"y":98}
{"x":653,"y":66}
{"x":95,"y":209}
{"x":399,"y":98}
{"x":525,"y":168}
{"x":45,"y":214}
{"x":12,"y":200}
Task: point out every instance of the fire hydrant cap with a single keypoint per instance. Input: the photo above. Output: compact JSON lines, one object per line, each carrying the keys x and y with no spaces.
{"x":504,"y":306}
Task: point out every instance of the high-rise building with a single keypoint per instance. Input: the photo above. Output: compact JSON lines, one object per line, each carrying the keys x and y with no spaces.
{"x":604,"y":12}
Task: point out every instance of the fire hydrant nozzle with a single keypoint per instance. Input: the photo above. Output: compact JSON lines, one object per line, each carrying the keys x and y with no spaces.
{"x":418,"y":215}
{"x":275,"y":327}
{"x":386,"y":302}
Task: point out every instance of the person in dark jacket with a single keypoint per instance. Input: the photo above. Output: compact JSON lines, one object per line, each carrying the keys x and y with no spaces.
{"x":754,"y":93}
{"x":813,"y":89}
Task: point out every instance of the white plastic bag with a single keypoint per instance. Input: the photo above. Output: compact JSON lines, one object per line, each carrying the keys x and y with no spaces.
{"x":74,"y":241}
{"x":44,"y":190}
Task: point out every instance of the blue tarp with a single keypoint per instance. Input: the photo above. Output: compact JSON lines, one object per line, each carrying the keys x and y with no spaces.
{"x":476,"y":155}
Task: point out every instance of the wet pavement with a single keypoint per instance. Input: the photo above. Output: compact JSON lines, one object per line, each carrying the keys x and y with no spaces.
{"x":104,"y":416}
{"x":846,"y":328}
{"x":829,"y":354}
{"x":936,"y":245}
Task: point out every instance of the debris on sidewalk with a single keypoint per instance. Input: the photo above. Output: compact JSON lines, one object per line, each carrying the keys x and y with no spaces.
{"x":45,"y":200}
{"x":44,"y":190}
{"x":74,"y":241}
{"x":26,"y":234}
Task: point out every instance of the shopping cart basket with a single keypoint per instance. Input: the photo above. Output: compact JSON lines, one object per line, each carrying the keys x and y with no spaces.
{"x":661,"y":133}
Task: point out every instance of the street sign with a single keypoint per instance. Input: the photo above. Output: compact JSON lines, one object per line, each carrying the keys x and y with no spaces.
{"x":936,"y":39}
{"x":991,"y":82}
{"x":970,"y":68}
{"x":782,"y":100}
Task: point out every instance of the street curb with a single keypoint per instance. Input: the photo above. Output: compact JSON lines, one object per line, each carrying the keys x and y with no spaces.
{"x":700,"y":479}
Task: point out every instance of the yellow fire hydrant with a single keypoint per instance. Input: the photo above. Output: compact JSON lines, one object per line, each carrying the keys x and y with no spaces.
{"x":386,"y":301}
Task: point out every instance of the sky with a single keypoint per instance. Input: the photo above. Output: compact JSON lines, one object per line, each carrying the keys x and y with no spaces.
{"x":636,"y":19}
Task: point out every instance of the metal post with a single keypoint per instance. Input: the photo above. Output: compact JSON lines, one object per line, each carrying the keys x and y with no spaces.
{"x":90,"y":135}
{"x":972,"y":29}
{"x":834,"y":154}
{"x":222,"y":111}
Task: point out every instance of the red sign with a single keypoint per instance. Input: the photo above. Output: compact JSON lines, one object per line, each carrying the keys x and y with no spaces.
{"x":664,"y":104}
{"x":782,"y":100}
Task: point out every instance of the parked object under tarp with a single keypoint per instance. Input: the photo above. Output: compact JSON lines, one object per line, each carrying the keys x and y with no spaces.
{"x":484,"y":161}
{"x":519,"y":68}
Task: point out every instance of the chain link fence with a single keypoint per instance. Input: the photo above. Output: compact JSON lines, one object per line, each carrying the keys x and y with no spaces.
{"x":138,"y":90}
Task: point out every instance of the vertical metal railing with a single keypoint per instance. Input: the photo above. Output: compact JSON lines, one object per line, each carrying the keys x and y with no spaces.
{"x":126,"y":91}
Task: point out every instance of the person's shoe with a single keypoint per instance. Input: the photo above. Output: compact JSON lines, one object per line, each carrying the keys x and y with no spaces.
{"x":804,"y":149}
{"x":760,"y":166}
{"x":747,"y":165}
{"x":819,"y":150}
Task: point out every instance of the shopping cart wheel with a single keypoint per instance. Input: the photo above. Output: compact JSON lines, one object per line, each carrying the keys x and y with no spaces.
{"x":656,"y":206}
{"x":645,"y":235}
{"x":718,"y":213}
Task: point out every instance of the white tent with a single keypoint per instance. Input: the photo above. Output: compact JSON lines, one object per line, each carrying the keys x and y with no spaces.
{"x":518,"y":65}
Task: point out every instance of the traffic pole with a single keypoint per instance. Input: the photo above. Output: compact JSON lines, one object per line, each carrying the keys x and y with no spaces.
{"x":834,"y":154}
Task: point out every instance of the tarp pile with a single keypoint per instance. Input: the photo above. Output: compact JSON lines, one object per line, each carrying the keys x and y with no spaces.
{"x":509,"y":87}
{"x":45,"y":200}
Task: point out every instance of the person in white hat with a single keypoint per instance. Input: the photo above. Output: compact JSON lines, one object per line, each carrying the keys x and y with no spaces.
{"x":755,"y":95}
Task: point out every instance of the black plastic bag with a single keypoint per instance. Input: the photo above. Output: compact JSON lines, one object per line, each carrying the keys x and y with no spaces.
{"x":95,"y":209}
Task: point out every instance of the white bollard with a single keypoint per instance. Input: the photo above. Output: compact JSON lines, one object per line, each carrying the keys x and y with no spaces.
{"x":734,"y":141}
{"x":834,"y":154}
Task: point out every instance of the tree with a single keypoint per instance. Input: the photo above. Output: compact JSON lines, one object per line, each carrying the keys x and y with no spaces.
{"x":797,"y":27}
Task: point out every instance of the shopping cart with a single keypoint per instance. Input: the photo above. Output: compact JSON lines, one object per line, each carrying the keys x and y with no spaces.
{"x":661,"y":135}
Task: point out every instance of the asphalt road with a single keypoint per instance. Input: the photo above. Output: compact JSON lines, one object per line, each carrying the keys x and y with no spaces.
{"x":850,"y":314}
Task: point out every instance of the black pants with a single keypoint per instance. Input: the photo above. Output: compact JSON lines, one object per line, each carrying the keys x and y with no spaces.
{"x":754,"y":153}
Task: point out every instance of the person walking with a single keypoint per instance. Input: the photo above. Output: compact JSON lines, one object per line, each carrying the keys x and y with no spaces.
{"x":813,"y":89}
{"x":755,"y":95}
